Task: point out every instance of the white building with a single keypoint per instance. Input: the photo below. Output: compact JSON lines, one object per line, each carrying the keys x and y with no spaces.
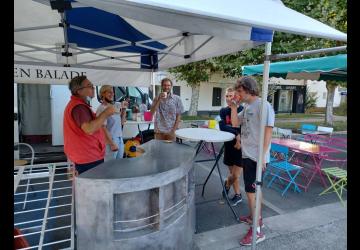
{"x":319,"y":87}
{"x":211,"y":96}
{"x":285,"y":92}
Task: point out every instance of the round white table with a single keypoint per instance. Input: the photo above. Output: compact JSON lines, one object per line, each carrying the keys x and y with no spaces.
{"x":204,"y":135}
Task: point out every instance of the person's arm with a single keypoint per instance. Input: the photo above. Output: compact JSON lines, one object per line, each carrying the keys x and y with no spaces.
{"x":270,"y":121}
{"x":108,"y":139}
{"x":179,"y":111}
{"x":235,"y":121}
{"x":223,"y":126}
{"x":267,"y":141}
{"x":91,"y":126}
{"x":177,"y":121}
{"x":267,"y":137}
{"x":123,"y":116}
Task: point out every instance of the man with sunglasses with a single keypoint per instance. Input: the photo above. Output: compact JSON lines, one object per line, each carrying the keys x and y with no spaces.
{"x":84,"y":141}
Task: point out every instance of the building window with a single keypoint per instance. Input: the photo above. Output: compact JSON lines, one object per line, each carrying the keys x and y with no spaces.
{"x":176,"y":90}
{"x":216,"y":100}
{"x":324,"y":95}
{"x":285,"y":100}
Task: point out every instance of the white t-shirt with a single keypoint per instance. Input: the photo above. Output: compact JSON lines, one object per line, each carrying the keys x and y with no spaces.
{"x":250,"y":128}
{"x":112,"y":123}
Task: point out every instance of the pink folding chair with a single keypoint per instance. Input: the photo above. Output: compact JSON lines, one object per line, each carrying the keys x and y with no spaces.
{"x":316,"y":139}
{"x":207,"y":145}
{"x":338,"y":143}
{"x":321,"y":160}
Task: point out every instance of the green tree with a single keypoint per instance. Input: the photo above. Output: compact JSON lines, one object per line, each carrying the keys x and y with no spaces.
{"x":330,"y":12}
{"x":310,"y":99}
{"x":194,"y":73}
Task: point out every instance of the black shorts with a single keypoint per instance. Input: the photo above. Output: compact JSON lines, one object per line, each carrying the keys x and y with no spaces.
{"x":249,"y":172}
{"x":232,"y":156}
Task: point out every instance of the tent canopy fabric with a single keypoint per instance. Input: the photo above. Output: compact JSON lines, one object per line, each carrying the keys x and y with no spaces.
{"x":150,"y":35}
{"x":323,"y":68}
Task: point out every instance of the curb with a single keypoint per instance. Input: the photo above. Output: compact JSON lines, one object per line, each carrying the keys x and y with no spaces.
{"x":279,"y":225}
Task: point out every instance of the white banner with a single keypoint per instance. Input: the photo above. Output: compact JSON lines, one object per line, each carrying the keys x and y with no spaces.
{"x":37,"y":74}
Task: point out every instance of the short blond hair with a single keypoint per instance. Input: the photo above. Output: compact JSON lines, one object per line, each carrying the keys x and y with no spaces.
{"x":103,"y":89}
{"x":230,"y":89}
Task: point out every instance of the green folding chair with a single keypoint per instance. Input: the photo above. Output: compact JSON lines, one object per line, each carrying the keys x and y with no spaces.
{"x":338,"y":181}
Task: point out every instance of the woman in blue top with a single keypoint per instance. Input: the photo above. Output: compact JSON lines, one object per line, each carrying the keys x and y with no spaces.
{"x":232,"y":156}
{"x":112,"y":126}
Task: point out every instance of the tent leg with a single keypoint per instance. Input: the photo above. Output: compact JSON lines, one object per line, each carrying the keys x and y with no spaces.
{"x":261,"y":142}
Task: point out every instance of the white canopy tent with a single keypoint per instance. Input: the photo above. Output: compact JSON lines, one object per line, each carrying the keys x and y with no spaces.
{"x":184,"y":31}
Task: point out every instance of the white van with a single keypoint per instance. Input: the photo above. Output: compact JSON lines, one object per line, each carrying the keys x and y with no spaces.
{"x":39,"y":110}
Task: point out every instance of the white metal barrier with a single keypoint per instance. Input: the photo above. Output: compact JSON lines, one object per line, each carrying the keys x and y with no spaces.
{"x":35,"y":213}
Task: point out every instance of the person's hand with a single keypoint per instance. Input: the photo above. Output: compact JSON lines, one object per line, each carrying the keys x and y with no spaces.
{"x":237,"y":145}
{"x":263,"y":165}
{"x":233,"y":104}
{"x":162,"y":95}
{"x":114,"y":147}
{"x":110,"y":110}
{"x":172,"y":131}
{"x":124,"y":104}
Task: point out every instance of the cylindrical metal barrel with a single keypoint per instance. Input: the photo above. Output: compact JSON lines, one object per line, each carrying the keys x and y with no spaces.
{"x":138,"y":203}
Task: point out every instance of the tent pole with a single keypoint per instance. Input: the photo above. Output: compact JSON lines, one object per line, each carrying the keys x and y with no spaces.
{"x":152,"y":83}
{"x":261,"y":142}
{"x":66,"y":41}
{"x":308,"y":52}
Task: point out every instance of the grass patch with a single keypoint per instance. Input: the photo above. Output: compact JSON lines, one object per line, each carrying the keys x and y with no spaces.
{"x":316,"y":110}
{"x":192,"y":118}
{"x":341,"y":110}
{"x":295,"y":126}
{"x":297,"y":115}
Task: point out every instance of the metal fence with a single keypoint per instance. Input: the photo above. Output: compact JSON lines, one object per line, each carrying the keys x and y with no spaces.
{"x":44,"y":205}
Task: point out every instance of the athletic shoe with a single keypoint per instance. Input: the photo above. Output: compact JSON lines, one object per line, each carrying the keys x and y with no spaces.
{"x":236,"y":200}
{"x":247,"y":240}
{"x":248,"y":220}
{"x":227,"y":190}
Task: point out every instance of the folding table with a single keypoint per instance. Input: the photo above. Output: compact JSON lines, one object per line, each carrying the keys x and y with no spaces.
{"x":202,"y":136}
{"x":317,"y":152}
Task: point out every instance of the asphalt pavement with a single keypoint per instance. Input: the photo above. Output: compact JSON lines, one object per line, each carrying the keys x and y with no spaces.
{"x":295,"y":221}
{"x":321,"y":227}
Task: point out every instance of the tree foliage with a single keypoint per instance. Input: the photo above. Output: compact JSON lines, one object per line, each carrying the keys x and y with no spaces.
{"x":194,"y":73}
{"x":310,"y":99}
{"x":330,"y":12}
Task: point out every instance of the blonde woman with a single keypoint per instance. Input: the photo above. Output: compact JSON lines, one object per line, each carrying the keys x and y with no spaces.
{"x":112,"y":126}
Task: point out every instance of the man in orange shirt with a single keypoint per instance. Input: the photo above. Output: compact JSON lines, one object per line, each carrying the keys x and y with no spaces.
{"x":84,"y":141}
